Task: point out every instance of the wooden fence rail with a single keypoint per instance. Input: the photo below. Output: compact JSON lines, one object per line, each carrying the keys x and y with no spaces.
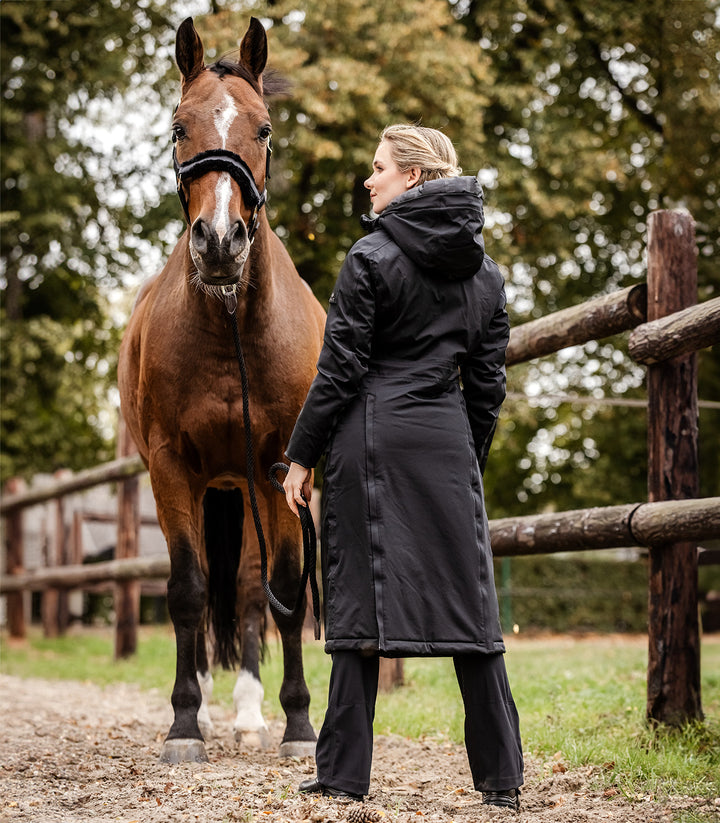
{"x":597,"y":318}
{"x":668,"y":330}
{"x":84,"y":575}
{"x":680,"y":333}
{"x":113,"y":471}
{"x":607,"y":527}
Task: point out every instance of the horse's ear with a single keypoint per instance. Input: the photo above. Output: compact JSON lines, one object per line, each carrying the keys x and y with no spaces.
{"x":188,"y":51}
{"x":253,"y":49}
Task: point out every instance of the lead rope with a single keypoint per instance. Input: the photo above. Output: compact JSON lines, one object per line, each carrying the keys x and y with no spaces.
{"x":306,"y":521}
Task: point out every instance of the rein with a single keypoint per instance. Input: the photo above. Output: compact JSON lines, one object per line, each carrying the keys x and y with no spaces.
{"x":308,"y":527}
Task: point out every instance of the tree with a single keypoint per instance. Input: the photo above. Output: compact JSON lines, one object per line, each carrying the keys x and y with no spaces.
{"x":583,"y":115}
{"x":70,"y":216}
{"x":602,"y":112}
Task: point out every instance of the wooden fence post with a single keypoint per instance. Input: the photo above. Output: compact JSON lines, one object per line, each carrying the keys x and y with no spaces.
{"x":15,"y":559}
{"x":391,"y":674}
{"x":54,"y":608}
{"x":127,"y":592}
{"x":673,"y":686}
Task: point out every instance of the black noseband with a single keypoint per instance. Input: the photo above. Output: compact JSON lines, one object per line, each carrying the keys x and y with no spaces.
{"x":223,"y":161}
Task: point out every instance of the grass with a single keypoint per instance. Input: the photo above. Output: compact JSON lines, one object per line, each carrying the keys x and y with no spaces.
{"x":580,"y":701}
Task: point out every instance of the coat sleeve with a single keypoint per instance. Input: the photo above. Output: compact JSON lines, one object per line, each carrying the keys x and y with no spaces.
{"x":483,"y":377}
{"x":342,"y":363}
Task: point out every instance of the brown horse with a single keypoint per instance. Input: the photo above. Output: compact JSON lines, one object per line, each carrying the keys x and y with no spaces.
{"x":181,"y":397}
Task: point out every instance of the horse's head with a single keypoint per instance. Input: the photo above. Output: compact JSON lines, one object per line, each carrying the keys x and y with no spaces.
{"x":221,"y":131}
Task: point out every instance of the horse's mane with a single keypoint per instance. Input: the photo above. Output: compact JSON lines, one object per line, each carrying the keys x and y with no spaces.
{"x":273,"y":84}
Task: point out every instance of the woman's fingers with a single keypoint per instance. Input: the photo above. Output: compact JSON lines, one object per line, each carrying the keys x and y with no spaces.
{"x":297,"y":482}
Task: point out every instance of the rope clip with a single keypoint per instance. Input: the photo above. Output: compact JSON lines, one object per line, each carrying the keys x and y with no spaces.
{"x":230,"y":297}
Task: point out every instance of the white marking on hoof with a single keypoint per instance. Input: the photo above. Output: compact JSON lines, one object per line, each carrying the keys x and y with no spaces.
{"x":203,"y":717}
{"x":248,"y":696}
{"x":298,"y":748}
{"x":183,"y":750}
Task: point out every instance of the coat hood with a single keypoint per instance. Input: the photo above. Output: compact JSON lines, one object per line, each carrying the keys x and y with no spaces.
{"x":438,"y":225}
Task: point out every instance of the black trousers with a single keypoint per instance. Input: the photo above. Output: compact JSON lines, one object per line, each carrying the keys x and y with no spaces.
{"x":492,"y":730}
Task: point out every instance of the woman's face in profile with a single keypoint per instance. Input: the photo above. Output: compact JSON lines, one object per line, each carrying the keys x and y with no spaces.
{"x":387,"y":181}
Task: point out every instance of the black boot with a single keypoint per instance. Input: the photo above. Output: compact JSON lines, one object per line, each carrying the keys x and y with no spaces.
{"x":507,"y":798}
{"x":314,"y":786}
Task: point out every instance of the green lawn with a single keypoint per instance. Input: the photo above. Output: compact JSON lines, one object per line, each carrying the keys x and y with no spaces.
{"x":579,"y":700}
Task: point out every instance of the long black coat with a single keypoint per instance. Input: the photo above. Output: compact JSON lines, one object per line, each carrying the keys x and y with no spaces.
{"x":417,"y":307}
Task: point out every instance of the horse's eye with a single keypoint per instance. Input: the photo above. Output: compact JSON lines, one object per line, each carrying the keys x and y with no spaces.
{"x":178,"y":133}
{"x":264,"y":133}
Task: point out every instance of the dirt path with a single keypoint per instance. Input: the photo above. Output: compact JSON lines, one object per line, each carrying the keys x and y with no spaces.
{"x":76,"y":752}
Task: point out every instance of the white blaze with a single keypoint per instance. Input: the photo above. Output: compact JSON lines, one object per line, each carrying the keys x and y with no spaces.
{"x":223,"y":120}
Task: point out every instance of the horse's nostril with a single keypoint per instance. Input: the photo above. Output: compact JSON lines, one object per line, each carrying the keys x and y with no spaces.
{"x":236,"y":239}
{"x":200,"y":236}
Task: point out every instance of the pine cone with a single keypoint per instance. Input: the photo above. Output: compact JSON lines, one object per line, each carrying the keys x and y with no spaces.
{"x":361,"y":814}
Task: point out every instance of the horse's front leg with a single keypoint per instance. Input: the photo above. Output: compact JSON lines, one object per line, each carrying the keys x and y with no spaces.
{"x":179,"y":514}
{"x":299,"y":738}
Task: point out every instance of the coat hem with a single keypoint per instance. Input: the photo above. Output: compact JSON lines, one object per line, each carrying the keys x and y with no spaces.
{"x":412,"y":648}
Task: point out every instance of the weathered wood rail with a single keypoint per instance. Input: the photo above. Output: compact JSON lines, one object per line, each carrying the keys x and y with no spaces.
{"x":111,"y":472}
{"x":606,"y":527}
{"x":593,"y":320}
{"x":667,"y":331}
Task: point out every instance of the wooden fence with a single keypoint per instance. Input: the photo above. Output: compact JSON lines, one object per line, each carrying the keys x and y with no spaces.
{"x":668,"y":329}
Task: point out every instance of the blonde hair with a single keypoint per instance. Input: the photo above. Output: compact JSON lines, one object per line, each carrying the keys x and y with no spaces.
{"x":428,"y":149}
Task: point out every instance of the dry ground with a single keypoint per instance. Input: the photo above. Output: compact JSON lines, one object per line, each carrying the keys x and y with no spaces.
{"x":75,"y":752}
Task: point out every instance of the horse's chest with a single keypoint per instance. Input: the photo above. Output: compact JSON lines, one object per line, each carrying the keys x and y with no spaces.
{"x":217,"y":406}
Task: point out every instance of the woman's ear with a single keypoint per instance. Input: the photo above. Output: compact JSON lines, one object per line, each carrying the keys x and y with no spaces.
{"x":413,"y":175}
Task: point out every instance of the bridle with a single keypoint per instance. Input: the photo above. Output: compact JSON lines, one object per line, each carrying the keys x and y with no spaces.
{"x":223,"y":160}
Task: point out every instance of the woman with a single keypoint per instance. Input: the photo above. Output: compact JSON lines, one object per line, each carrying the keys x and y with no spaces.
{"x":407,"y":565}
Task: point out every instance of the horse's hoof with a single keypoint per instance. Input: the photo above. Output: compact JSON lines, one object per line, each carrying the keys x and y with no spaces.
{"x":297,"y":748}
{"x":183,"y":750}
{"x":256,"y":739}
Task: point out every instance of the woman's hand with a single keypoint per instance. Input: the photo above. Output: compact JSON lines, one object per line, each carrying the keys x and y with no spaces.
{"x":298,"y":482}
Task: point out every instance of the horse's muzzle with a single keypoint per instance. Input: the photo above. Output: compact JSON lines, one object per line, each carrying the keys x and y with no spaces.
{"x":219,"y":261}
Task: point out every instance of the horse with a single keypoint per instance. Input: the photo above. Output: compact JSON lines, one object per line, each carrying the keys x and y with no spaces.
{"x":181,"y":398}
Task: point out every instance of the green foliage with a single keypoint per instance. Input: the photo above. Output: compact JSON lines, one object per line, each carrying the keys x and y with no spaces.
{"x":54,"y":407}
{"x":603,"y":111}
{"x":70,"y":216}
{"x":583,"y":115}
{"x":61,"y":63}
{"x":578,"y":593}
